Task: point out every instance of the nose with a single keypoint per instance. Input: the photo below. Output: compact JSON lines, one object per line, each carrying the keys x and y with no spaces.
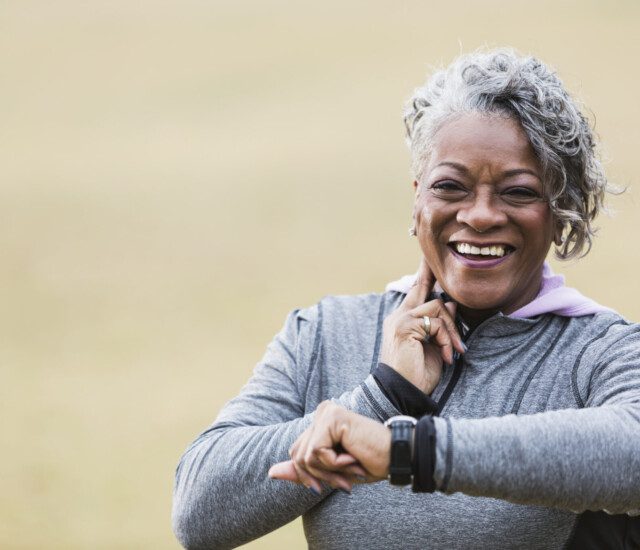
{"x":482,"y":212}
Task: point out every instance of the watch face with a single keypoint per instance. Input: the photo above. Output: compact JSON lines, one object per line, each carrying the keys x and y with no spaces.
{"x":401,"y":419}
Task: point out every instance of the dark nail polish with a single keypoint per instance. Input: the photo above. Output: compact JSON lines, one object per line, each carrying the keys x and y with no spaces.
{"x":314,"y":491}
{"x":464,"y":347}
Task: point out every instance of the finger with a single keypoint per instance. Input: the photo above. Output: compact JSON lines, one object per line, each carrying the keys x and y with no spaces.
{"x":335,"y":479}
{"x":441,"y":337}
{"x":310,"y":482}
{"x":332,"y":460}
{"x":344,"y":463}
{"x":285,"y":471}
{"x":313,"y":465}
{"x":345,"y":459}
{"x":421,"y":288}
{"x":356,"y":470}
{"x":436,"y":309}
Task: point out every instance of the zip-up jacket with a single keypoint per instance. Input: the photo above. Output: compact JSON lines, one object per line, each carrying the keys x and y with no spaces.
{"x":538,"y":432}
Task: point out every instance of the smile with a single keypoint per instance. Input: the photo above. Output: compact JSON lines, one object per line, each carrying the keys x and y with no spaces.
{"x":481,"y":255}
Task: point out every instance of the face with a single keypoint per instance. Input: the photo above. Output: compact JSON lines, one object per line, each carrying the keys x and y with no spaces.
{"x":480,"y":214}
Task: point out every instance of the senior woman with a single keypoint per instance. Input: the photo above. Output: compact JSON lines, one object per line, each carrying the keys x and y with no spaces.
{"x":527,"y":393}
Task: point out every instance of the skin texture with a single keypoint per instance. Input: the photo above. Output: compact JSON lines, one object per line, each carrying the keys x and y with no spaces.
{"x":483,"y":155}
{"x":403,"y":346}
{"x":482,"y":186}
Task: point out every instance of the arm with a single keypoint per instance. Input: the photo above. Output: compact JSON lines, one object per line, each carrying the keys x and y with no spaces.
{"x":578,"y":459}
{"x":223,"y":496}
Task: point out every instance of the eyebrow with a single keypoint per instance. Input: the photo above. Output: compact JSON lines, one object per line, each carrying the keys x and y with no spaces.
{"x":506,"y":174}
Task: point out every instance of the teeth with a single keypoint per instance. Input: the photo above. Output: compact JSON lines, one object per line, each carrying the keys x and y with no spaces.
{"x":494,"y":250}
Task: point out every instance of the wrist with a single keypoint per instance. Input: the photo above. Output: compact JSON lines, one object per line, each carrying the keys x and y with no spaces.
{"x":400,"y":468}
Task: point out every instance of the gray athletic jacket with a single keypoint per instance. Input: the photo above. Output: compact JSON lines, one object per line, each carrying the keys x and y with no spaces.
{"x":539,"y":421}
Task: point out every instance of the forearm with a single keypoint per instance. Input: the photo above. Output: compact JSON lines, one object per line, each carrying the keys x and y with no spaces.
{"x":584,"y":459}
{"x":223,"y":496}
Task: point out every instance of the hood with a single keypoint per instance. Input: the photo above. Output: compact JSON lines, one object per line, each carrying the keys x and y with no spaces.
{"x":554,"y":297}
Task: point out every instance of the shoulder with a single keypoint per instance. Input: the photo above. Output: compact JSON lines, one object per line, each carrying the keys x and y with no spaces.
{"x":602,"y":330}
{"x":607,"y":365}
{"x":353,"y":309}
{"x":588,"y":337}
{"x":345,"y":316}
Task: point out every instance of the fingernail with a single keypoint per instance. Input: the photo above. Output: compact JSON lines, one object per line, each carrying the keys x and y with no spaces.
{"x":314,"y":490}
{"x":345,"y":491}
{"x":464,"y":346}
{"x":361,"y":478}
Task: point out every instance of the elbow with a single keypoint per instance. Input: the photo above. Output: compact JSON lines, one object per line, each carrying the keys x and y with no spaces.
{"x":191,"y":516}
{"x":193,"y":529}
{"x":186,"y":527}
{"x":182,"y":526}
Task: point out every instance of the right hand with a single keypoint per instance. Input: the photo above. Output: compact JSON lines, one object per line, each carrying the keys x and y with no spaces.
{"x":403,"y":343}
{"x":364,"y":456}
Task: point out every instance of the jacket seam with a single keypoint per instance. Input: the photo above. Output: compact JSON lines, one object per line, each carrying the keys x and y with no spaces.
{"x":455,"y":377}
{"x":374,"y":404}
{"x":376,"y":346}
{"x":534,"y":371}
{"x":316,"y":343}
{"x":574,"y":371}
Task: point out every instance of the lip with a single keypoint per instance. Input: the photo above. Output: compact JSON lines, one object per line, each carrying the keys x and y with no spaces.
{"x":478,"y":264}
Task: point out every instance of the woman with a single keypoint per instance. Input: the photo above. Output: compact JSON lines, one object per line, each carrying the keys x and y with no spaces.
{"x":528,"y":393}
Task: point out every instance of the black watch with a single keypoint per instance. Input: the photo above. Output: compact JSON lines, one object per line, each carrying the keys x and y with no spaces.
{"x":400,"y":470}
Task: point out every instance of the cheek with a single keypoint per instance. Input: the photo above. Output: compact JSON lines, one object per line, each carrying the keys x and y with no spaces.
{"x":539,"y":230}
{"x":428,"y":218}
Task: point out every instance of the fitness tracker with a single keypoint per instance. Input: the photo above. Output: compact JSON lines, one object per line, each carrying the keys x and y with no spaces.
{"x":400,"y":470}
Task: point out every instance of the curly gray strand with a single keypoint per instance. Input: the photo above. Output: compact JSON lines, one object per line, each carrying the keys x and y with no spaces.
{"x":504,"y":83}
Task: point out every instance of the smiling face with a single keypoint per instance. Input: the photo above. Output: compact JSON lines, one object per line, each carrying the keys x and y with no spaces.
{"x":480,"y":214}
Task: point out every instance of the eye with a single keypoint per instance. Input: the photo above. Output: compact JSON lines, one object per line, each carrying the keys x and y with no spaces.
{"x":521,"y":195}
{"x":448,"y":190}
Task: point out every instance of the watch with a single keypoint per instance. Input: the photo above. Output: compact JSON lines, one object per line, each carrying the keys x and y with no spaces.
{"x":400,"y":470}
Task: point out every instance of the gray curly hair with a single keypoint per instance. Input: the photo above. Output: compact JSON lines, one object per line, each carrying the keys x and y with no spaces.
{"x":505,"y":83}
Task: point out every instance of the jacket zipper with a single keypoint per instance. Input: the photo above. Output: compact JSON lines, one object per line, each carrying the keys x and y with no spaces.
{"x":457,"y":371}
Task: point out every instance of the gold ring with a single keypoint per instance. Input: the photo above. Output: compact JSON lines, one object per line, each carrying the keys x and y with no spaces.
{"x":427,"y":326}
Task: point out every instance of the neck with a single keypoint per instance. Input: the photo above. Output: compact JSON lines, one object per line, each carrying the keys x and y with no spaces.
{"x":474,"y":317}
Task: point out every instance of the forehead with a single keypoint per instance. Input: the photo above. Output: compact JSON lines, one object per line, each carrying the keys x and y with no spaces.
{"x":483,"y":141}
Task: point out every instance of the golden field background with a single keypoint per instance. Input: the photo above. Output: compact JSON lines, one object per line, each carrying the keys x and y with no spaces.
{"x":176,"y":176}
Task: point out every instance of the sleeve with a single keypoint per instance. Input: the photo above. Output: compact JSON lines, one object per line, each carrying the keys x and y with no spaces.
{"x":576,"y":459}
{"x":406,"y":397}
{"x":222,"y":495}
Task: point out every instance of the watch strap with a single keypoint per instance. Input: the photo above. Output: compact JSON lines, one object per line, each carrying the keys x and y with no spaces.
{"x":401,"y":459}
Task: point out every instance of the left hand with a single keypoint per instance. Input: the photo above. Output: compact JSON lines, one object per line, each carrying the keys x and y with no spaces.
{"x":315,"y":458}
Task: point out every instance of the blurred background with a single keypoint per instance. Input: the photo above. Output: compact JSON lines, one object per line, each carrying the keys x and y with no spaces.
{"x":176,"y":176}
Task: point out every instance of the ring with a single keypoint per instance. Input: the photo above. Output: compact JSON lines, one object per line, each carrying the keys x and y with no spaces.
{"x":427,"y":327}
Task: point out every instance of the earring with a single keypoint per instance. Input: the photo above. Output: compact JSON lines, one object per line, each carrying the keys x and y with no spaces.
{"x":412,"y":231}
